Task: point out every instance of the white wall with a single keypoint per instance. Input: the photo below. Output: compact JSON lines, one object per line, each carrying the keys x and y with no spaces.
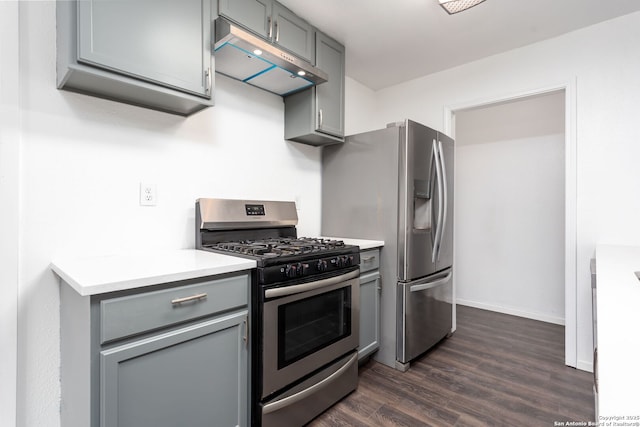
{"x":510,"y":175}
{"x":83,"y":160}
{"x":603,"y":62}
{"x":360,"y":109}
{"x":9,"y":208}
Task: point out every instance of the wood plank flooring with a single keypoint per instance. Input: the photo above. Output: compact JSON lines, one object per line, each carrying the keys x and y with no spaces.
{"x":496,"y":370}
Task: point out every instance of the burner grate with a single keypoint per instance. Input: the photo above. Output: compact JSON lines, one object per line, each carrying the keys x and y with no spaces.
{"x":275,"y":247}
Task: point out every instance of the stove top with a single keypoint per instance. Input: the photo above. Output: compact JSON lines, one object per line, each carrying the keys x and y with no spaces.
{"x":265,"y":232}
{"x":279,"y":247}
{"x":282,"y":260}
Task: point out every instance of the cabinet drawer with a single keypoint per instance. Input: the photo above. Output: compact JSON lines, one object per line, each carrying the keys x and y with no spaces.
{"x":369,"y":260}
{"x":133,"y":314}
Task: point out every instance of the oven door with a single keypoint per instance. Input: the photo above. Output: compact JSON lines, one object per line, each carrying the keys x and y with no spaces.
{"x":306,"y":327}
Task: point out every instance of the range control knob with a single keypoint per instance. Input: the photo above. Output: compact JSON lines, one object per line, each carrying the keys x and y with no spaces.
{"x":344,"y":261}
{"x":322,"y":265}
{"x":293,"y":270}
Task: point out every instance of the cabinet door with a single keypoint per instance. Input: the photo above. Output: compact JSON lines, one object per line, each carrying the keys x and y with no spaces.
{"x":195,"y":376}
{"x":369,"y":314}
{"x":292,"y":32}
{"x":330,"y":95}
{"x":254,"y":15}
{"x":162,"y":41}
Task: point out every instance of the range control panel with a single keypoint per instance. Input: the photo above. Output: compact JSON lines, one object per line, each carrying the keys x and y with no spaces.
{"x":308,"y":268}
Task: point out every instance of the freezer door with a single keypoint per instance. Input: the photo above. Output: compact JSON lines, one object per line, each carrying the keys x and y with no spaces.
{"x":420,"y":202}
{"x":424,"y":314}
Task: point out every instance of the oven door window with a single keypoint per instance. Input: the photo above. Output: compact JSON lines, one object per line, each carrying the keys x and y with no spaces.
{"x":308,"y":325}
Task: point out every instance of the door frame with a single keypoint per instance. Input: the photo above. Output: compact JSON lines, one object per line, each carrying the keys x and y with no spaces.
{"x":10,"y":144}
{"x":570,"y":204}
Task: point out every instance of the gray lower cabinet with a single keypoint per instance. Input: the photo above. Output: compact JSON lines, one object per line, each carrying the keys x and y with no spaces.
{"x":273,"y":22}
{"x":170,"y":355}
{"x":369,"y":303}
{"x":315,"y":116}
{"x":193,"y":376}
{"x":148,"y":53}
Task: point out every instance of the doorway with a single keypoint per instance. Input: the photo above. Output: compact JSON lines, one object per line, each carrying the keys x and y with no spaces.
{"x":515,"y":207}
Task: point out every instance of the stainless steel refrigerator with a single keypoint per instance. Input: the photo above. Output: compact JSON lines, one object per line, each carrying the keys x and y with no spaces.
{"x":396,"y":185}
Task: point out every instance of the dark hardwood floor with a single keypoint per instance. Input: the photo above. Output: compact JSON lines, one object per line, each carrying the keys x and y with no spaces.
{"x":496,"y":370}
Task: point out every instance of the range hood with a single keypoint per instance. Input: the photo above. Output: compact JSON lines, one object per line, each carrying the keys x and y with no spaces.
{"x":246,"y":57}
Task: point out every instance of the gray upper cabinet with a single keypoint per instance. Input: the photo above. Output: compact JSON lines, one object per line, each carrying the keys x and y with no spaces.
{"x":274,"y":22}
{"x":315,"y":116}
{"x":330,"y":96}
{"x":292,"y":32}
{"x":254,"y":15}
{"x":155,"y":54}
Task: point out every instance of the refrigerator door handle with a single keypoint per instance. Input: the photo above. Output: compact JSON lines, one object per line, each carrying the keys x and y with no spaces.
{"x":443,"y":181}
{"x":429,"y":285}
{"x":436,"y":243}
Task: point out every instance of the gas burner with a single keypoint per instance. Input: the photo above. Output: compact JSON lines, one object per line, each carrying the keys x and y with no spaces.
{"x":276,"y":247}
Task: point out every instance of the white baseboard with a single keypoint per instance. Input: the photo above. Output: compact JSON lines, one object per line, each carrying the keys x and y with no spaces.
{"x":543,"y":317}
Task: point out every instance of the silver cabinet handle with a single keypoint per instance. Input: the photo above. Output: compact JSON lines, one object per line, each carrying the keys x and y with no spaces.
{"x":296,"y":289}
{"x":368,"y":259}
{"x":290,"y":400}
{"x":246,"y":331}
{"x":269,"y":27}
{"x":320,"y":118}
{"x":197,"y":297}
{"x":275,"y":24}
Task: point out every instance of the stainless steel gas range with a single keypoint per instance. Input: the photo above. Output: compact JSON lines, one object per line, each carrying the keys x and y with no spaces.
{"x":304,"y":305}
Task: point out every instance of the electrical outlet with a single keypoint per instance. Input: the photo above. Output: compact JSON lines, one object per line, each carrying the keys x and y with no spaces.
{"x":148,"y":194}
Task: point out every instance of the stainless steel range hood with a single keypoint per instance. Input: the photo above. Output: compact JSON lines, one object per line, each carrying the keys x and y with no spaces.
{"x":243,"y":56}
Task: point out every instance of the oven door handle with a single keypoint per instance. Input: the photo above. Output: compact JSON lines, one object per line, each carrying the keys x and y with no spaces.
{"x":296,"y":289}
{"x":290,"y":400}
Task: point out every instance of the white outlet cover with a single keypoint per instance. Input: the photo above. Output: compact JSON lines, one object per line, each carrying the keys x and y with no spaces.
{"x":148,"y":194}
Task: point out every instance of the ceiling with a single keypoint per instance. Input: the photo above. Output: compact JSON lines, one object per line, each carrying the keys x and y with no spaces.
{"x":389,"y":42}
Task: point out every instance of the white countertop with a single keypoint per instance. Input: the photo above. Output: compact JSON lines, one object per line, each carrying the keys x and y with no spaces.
{"x":364,"y":244}
{"x":100,"y":274}
{"x":618,"y":328}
